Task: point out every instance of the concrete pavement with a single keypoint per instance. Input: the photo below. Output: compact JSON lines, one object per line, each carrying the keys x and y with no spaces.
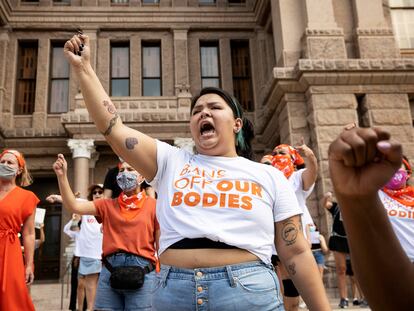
{"x":50,"y":297}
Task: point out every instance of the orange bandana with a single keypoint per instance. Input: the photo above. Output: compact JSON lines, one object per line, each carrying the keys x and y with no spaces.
{"x":283,"y":162}
{"x":18,"y":156}
{"x":405,"y":196}
{"x":130,"y":206}
{"x":296,"y":157}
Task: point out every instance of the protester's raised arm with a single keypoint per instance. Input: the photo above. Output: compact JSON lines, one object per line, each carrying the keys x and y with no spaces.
{"x":133,"y":146}
{"x":361,"y":161}
{"x":68,"y":198}
{"x":311,"y":172}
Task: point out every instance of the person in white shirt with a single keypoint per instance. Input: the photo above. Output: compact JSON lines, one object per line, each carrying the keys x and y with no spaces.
{"x":288,"y":160}
{"x":218,"y":212}
{"x":361,"y":162}
{"x":88,"y":248}
{"x":398,"y":199}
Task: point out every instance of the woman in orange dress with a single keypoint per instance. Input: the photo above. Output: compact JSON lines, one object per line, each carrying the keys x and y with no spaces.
{"x":17,"y":207}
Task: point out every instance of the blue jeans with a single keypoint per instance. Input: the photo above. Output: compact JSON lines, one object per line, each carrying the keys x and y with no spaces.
{"x":319,"y":257}
{"x":108,"y":298}
{"x":249,"y":286}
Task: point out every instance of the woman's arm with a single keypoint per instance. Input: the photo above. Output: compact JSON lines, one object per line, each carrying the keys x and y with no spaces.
{"x":324,"y":246}
{"x":42,"y":235}
{"x":311,"y":172}
{"x":297,"y":257}
{"x":29,"y":246}
{"x":361,"y":161}
{"x":134,"y":147}
{"x":68,"y":199}
{"x":149,"y":191}
{"x":68,"y":231}
{"x":327,"y":200}
{"x":53,"y":198}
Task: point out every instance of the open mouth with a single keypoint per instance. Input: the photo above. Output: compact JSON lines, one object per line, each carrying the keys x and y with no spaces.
{"x":206,"y":128}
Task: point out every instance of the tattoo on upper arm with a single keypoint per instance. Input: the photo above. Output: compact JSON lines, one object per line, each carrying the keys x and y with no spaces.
{"x":109,"y":106}
{"x":111,"y":125}
{"x":289,"y":232}
{"x":292,"y":268}
{"x":130,"y":142}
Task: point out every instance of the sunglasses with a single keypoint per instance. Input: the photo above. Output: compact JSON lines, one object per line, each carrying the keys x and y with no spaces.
{"x":97,"y":192}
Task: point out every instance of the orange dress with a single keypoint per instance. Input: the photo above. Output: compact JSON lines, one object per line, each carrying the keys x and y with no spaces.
{"x":15,"y":207}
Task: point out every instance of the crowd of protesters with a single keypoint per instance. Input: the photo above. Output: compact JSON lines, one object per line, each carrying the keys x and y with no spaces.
{"x":185,"y":231}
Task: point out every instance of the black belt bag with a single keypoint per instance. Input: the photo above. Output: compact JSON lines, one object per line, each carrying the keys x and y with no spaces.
{"x":127,"y":277}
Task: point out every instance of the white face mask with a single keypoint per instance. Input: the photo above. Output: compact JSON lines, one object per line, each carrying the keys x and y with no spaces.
{"x":7,"y":172}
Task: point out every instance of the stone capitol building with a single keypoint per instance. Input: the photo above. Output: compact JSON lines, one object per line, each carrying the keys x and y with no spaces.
{"x":300,"y":68}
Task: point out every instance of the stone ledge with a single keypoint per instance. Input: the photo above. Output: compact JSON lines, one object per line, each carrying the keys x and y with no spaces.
{"x":324,"y":32}
{"x":285,"y":72}
{"x":344,"y":65}
{"x":32,"y":132}
{"x":352,"y":65}
{"x":148,"y":115}
{"x":374,"y":31}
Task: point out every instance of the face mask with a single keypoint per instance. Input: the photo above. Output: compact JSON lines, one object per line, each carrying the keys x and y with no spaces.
{"x":127,"y":181}
{"x":398,"y":180}
{"x":283,"y":163}
{"x":7,"y":172}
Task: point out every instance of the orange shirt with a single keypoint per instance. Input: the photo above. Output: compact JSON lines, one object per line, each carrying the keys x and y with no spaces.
{"x":135,"y":235}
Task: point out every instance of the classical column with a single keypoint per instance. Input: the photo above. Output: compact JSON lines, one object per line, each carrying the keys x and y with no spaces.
{"x":375,"y":37}
{"x":82,"y":150}
{"x":185,"y":143}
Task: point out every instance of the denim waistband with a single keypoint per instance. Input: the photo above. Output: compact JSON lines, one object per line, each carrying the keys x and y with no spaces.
{"x":121,"y":253}
{"x":127,"y":259}
{"x":213,"y":273}
{"x":229,"y":272}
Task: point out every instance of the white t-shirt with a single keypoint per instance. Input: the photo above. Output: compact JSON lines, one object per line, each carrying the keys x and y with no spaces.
{"x":297,"y":184}
{"x":89,"y":240}
{"x":402,"y":220}
{"x":295,"y":181}
{"x":228,"y":199}
{"x":314,"y":237}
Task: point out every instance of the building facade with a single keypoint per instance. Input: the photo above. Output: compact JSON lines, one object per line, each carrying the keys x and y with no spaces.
{"x":300,"y":68}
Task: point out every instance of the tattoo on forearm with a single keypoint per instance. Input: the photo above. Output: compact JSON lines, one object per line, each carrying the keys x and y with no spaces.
{"x":130,"y":142}
{"x":292,"y":268}
{"x":289,"y":232}
{"x":111,"y":125}
{"x":109,"y":106}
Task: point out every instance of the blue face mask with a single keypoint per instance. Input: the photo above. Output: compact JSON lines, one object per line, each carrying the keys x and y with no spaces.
{"x":127,"y":181}
{"x":7,"y":172}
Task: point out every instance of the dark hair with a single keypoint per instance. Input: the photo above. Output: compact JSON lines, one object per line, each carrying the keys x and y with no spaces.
{"x":246,"y":134}
{"x":92,"y":189}
{"x":300,"y":166}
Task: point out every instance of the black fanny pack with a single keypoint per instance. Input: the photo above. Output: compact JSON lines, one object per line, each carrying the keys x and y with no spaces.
{"x":127,"y":277}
